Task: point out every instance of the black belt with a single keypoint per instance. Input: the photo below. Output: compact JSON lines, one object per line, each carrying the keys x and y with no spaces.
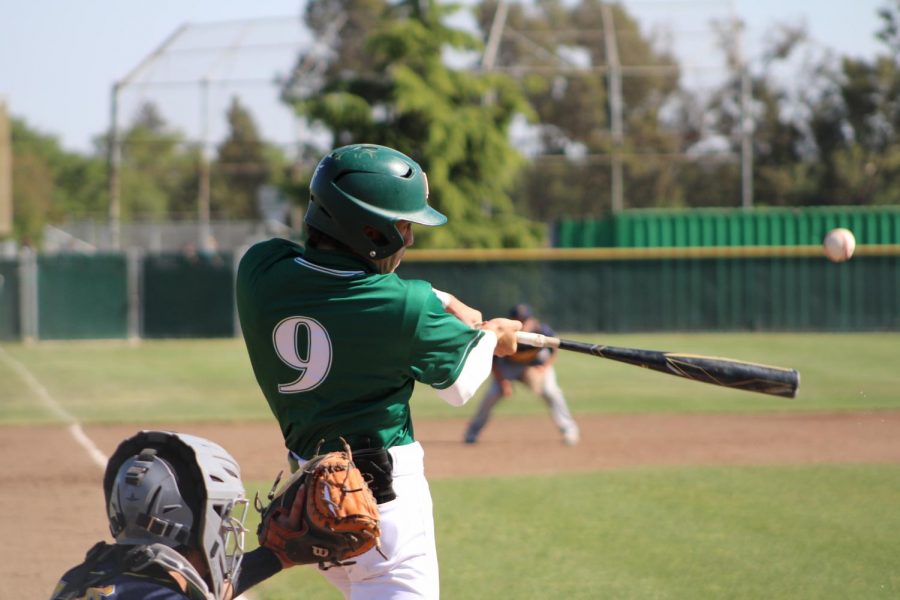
{"x":377,"y":465}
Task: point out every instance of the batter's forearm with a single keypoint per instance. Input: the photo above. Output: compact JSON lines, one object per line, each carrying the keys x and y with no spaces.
{"x":458,"y":308}
{"x":476,"y":369}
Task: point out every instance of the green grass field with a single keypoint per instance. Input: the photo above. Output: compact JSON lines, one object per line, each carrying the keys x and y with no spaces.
{"x":211,"y":379}
{"x":791,"y":533}
{"x":815,"y":532}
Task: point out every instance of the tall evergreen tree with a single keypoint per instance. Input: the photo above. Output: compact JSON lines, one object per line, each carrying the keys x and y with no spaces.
{"x":242,"y":167}
{"x":159,"y":170}
{"x":400,"y":92}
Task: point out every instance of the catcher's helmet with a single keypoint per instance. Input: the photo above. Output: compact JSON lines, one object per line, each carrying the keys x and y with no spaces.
{"x":178,"y":490}
{"x":368,"y":185}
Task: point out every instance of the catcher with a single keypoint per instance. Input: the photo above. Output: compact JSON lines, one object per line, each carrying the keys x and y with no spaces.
{"x":176,"y":505}
{"x":532,"y":367}
{"x":176,"y":509}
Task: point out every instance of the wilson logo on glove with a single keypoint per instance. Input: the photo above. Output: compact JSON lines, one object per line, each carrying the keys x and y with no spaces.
{"x":324,"y":513}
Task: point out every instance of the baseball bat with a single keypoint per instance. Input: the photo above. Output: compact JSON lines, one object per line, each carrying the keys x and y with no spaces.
{"x":726,"y":372}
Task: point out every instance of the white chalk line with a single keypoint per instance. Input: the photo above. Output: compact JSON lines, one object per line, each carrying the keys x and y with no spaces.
{"x":62,"y":414}
{"x":72,"y":424}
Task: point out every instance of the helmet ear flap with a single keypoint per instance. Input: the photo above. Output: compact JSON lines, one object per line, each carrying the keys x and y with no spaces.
{"x":383,"y":243}
{"x":374,"y":240}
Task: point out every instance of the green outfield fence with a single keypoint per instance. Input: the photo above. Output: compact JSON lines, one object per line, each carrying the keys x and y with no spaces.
{"x":758,"y":288}
{"x":116,"y":296}
{"x":692,"y":289}
{"x":82,"y":296}
{"x":187,"y":296}
{"x":9,"y":300}
{"x":718,"y":227}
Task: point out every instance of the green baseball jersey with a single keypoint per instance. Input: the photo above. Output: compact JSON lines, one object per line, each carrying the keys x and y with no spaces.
{"x":337,"y":348}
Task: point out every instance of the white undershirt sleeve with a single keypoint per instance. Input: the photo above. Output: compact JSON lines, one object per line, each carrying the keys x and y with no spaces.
{"x":474,"y":372}
{"x":444,"y":297}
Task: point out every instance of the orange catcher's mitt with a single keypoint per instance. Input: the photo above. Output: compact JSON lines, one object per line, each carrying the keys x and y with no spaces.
{"x":325,"y":513}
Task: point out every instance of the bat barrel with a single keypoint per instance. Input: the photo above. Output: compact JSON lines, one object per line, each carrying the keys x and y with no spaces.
{"x":726,"y":372}
{"x":740,"y":375}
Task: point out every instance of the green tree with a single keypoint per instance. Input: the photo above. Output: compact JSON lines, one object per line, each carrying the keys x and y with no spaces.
{"x":399,"y":91}
{"x":244,"y":164}
{"x":865,"y":129}
{"x":50,"y":184}
{"x":830,"y":135}
{"x":159,"y":169}
{"x":343,"y":27}
{"x":784,"y":143}
{"x":558,"y":50}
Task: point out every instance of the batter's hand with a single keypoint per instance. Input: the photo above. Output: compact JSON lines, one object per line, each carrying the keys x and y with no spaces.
{"x":505,"y":330}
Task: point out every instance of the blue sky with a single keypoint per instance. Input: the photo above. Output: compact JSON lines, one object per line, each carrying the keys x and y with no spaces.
{"x":59,"y":59}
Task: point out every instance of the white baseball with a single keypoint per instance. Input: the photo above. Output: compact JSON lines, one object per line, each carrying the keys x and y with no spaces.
{"x":839,"y":244}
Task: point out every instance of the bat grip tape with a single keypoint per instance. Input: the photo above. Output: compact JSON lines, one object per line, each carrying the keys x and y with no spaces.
{"x":536,"y":340}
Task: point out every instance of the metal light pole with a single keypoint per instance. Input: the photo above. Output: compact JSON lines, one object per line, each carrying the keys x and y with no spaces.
{"x":615,"y":106}
{"x":494,"y":36}
{"x":203,"y":186}
{"x":114,"y":152}
{"x":747,"y":127}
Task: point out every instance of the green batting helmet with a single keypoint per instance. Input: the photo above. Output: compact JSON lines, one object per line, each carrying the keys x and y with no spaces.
{"x":368,"y":185}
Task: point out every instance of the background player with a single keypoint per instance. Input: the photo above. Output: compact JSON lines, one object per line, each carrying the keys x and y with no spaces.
{"x":337,"y":340}
{"x":532,"y":367}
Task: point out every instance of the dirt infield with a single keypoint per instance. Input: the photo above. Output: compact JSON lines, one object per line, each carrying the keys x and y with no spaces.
{"x":51,"y":499}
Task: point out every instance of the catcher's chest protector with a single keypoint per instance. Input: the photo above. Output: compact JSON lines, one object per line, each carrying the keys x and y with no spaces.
{"x":114,"y":571}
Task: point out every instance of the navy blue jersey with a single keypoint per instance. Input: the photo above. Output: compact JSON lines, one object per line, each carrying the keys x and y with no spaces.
{"x":131,"y":586}
{"x":105,"y":576}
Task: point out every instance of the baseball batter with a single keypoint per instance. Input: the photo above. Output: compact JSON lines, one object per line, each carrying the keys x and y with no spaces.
{"x":534,"y":368}
{"x":337,"y":341}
